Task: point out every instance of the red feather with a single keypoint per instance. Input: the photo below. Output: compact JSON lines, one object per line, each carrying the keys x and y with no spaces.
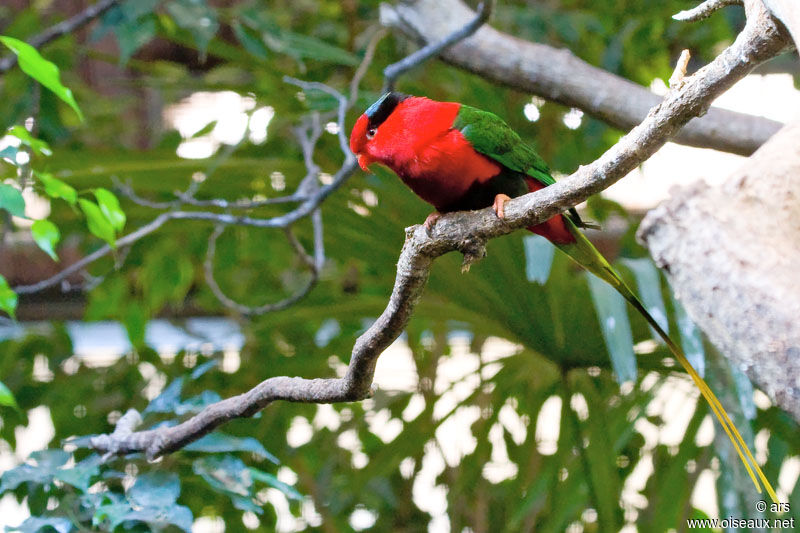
{"x":418,"y":142}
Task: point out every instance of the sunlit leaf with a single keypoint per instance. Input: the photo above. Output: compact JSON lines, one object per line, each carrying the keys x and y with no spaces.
{"x":155,"y":489}
{"x":37,"y":145}
{"x":109,"y":205}
{"x":168,"y":400}
{"x":55,"y":188}
{"x":97,"y":222}
{"x":6,"y":396}
{"x":80,"y":476}
{"x":616,"y":327}
{"x":539,"y":254}
{"x":11,"y":200}
{"x":8,"y":298}
{"x":40,"y":69}
{"x":46,"y":236}
{"x":222,"y":442}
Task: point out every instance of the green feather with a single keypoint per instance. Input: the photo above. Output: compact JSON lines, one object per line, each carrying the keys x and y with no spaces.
{"x":492,"y":137}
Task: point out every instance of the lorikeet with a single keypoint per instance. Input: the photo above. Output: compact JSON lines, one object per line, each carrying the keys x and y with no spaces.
{"x":457,"y":157}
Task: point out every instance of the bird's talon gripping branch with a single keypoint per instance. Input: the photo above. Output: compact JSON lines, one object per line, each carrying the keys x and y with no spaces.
{"x":431,"y":220}
{"x":499,"y":205}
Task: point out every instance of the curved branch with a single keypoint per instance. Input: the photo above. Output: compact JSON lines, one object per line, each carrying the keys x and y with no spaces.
{"x":558,"y":75}
{"x":468,"y":232}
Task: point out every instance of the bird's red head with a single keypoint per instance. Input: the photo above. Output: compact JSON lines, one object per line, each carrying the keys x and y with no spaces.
{"x":365,"y":135}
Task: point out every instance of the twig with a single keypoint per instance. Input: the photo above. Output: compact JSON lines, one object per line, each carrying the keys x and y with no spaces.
{"x":704,"y":10}
{"x":208,"y":269}
{"x":62,"y":28}
{"x":395,"y":70}
{"x":680,"y":69}
{"x":468,"y":232}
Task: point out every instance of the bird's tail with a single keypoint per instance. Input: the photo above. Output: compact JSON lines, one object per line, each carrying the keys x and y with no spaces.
{"x":585,"y":254}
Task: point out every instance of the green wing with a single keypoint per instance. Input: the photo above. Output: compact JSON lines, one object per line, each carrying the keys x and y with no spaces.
{"x":492,"y":137}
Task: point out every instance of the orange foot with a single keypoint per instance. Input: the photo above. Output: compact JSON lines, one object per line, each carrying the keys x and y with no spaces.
{"x":431,"y":220}
{"x":499,"y":205}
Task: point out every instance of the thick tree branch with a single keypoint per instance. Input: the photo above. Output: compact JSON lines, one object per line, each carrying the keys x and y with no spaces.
{"x":468,"y":233}
{"x":560,"y":76}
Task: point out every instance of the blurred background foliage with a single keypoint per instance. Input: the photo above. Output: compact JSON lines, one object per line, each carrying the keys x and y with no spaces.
{"x":597,"y":462}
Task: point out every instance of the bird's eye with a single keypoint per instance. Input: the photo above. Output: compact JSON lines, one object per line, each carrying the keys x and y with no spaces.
{"x":371,"y":133}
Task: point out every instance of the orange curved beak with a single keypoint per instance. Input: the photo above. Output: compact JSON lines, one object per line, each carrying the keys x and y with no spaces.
{"x":364,"y":161}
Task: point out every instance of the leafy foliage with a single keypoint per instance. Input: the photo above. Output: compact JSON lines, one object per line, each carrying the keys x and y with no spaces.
{"x":532,"y":435}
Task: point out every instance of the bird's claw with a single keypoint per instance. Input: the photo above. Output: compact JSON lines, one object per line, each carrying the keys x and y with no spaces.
{"x":431,"y":220}
{"x":499,"y":205}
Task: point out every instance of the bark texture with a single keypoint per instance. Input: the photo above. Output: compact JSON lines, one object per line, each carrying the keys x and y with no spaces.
{"x":559,"y":75}
{"x":732,"y":254}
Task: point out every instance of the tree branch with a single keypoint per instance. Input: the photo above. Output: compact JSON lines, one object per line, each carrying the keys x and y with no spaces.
{"x":468,"y":233}
{"x":558,"y":75}
{"x":62,"y":28}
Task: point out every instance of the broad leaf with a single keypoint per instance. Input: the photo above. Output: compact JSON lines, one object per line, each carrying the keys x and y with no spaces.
{"x":97,"y":222}
{"x":222,"y":442}
{"x":46,"y":236}
{"x":40,"y":69}
{"x":155,"y":489}
{"x":616,"y":327}
{"x":37,"y":145}
{"x":109,"y":205}
{"x":55,"y":188}
{"x":539,"y":254}
{"x":12,"y":201}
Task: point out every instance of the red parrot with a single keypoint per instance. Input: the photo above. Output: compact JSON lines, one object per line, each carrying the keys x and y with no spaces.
{"x":457,"y":157}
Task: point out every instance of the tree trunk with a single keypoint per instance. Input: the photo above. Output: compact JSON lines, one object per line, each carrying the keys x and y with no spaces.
{"x":732,"y":254}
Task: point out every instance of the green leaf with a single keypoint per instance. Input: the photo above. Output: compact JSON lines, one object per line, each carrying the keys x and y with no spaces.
{"x":613,"y":316}
{"x":8,"y":298}
{"x":46,"y":235}
{"x":197,"y":17}
{"x":97,"y":222}
{"x":155,"y":489}
{"x":132,"y":35}
{"x":80,"y":476}
{"x":11,"y":200}
{"x":225,"y":473}
{"x":264,"y":477}
{"x":691,"y":339}
{"x":6,"y":396}
{"x":55,"y":188}
{"x":539,"y":254}
{"x":109,"y":205}
{"x":42,"y":70}
{"x":135,"y":320}
{"x":9,"y":154}
{"x":168,"y":400}
{"x":222,"y":442}
{"x":39,"y":470}
{"x":648,"y":282}
{"x":35,"y":524}
{"x":251,"y":43}
{"x":37,"y":145}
